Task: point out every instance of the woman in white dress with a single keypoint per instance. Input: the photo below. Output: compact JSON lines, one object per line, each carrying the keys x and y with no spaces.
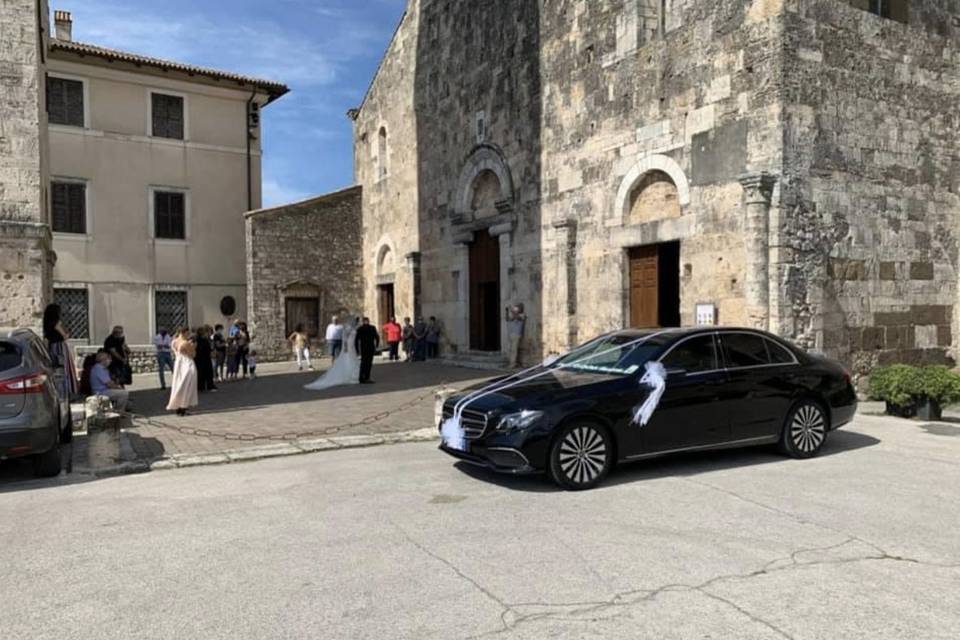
{"x":346,"y":368}
{"x":183,"y":391}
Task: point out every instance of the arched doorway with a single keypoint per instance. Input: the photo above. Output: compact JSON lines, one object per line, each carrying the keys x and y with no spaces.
{"x":654,"y":270}
{"x":386,"y":297}
{"x":485,"y":292}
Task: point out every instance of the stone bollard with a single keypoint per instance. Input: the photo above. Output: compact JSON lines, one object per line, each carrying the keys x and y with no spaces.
{"x":103,"y":432}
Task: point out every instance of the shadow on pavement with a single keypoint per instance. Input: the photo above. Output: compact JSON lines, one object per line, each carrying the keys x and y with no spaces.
{"x":678,"y":464}
{"x":285,"y":388}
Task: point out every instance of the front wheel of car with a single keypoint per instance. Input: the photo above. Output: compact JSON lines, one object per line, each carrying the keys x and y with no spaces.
{"x":805,"y":430}
{"x":581,"y":456}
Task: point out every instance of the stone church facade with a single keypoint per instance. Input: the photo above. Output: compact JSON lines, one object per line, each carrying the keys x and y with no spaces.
{"x":785,"y":164}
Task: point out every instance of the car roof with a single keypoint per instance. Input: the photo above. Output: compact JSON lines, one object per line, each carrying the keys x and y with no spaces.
{"x":18,"y":334}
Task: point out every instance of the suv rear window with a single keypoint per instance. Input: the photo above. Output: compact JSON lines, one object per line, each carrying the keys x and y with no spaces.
{"x":9,"y":356}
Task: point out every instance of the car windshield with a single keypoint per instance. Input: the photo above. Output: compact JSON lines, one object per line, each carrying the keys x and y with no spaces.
{"x":621,"y":354}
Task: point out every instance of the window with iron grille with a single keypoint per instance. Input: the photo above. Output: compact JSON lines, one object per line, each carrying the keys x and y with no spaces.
{"x":65,"y":102}
{"x":898,"y":10}
{"x":169,"y":215}
{"x":68,"y":204}
{"x":171,"y":310}
{"x":167,"y":115}
{"x":74,"y":312}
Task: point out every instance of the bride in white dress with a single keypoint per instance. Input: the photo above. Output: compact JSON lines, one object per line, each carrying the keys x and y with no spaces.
{"x":346,"y":368}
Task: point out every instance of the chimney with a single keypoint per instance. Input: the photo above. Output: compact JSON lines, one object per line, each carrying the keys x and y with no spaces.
{"x":64,"y":25}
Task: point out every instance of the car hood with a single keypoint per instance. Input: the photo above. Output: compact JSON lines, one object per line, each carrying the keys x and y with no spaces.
{"x":534,"y":387}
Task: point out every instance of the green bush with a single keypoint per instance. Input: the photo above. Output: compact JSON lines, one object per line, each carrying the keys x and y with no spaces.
{"x":896,"y":384}
{"x":903,"y":385}
{"x":939,"y":384}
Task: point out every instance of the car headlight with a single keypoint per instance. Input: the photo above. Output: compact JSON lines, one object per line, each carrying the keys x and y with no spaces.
{"x":520,"y":420}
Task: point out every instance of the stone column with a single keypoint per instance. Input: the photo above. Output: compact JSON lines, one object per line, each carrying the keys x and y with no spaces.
{"x":413,"y":263}
{"x":566,"y":292}
{"x":757,"y":191}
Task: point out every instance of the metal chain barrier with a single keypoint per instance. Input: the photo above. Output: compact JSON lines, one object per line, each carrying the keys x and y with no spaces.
{"x":290,"y":436}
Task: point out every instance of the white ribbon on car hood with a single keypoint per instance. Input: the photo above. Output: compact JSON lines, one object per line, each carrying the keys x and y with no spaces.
{"x":656,"y":379}
{"x":451,"y":431}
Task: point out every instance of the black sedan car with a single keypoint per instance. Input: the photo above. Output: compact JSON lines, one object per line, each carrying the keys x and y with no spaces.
{"x":577,"y":416}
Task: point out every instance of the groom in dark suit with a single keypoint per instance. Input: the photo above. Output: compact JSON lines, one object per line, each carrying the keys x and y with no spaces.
{"x":366,"y":342}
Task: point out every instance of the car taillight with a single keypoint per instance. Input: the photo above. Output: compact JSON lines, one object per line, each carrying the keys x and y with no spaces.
{"x":25,"y":384}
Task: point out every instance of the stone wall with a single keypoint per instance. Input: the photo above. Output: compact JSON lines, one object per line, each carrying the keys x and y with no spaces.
{"x":871,"y":182}
{"x":388,"y":173}
{"x":306,"y":249}
{"x":25,"y":256}
{"x":811,"y":147}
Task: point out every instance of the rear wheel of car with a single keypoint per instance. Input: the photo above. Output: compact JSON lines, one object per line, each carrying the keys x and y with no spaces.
{"x":47,"y":464}
{"x":581,"y":455}
{"x":805,"y":430}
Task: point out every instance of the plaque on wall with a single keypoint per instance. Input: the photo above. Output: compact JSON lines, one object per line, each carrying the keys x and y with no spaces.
{"x":706,"y":314}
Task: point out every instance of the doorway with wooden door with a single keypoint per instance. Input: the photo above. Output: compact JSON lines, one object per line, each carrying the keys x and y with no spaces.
{"x":654,"y":273}
{"x":385,"y":303}
{"x":485,"y":292}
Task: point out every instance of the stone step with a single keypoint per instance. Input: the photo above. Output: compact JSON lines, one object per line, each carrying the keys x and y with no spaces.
{"x":475,"y":360}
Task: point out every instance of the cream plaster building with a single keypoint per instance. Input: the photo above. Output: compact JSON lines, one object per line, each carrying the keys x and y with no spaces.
{"x":152,"y":166}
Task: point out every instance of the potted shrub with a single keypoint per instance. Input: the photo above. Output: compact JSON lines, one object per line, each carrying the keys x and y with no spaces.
{"x":896,"y":385}
{"x":937,"y":386}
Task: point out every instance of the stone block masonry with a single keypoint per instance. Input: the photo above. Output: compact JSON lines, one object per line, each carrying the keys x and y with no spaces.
{"x":304,"y":263}
{"x":26,"y":259}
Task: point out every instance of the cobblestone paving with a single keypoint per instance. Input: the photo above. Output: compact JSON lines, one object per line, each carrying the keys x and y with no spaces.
{"x":275,"y":403}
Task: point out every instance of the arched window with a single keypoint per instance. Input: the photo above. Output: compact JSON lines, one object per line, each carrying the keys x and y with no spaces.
{"x":382,"y":153}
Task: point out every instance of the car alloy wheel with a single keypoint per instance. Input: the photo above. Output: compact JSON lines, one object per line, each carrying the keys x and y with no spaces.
{"x":581,"y":456}
{"x":806,"y":430}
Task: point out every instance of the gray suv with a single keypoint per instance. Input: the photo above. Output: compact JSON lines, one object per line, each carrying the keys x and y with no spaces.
{"x":33,"y":415}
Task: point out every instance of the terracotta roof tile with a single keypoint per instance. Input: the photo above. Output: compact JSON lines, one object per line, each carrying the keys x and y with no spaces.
{"x":275,"y":89}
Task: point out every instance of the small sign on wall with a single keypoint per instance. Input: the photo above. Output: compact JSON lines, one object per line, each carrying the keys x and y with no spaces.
{"x":706,"y":314}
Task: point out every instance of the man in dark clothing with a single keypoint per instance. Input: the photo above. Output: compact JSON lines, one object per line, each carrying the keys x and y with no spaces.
{"x":366,"y":342}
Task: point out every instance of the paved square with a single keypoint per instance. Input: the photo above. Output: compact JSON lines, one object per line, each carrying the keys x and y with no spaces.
{"x":400,"y":542}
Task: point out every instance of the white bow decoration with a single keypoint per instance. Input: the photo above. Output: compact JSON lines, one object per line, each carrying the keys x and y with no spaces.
{"x":656,"y":379}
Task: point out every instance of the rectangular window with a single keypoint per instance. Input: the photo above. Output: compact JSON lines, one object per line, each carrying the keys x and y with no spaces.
{"x":68,"y":204}
{"x":74,"y":312}
{"x":65,"y":102}
{"x":169,"y":215}
{"x":170,"y":310}
{"x":167,"y":115}
{"x":898,"y":10}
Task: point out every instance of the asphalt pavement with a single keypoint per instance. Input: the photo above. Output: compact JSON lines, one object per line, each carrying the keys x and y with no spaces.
{"x":402,"y":542}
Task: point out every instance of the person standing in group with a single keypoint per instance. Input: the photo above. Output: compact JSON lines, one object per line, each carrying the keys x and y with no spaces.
{"x":204,"y":360}
{"x":516,"y":322}
{"x":334,"y":338}
{"x":161,"y":342}
{"x":419,"y":340}
{"x":243,"y":348}
{"x":116,"y":346}
{"x":232,"y":364}
{"x":300,"y":343}
{"x":56,"y":338}
{"x":433,"y":338}
{"x":393,"y":332}
{"x":103,"y":384}
{"x":367,"y":341}
{"x":219,"y":352}
{"x":408,"y":340}
{"x":183,"y":389}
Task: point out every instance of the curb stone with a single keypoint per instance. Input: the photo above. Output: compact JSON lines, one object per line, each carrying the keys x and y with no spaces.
{"x":261,"y":453}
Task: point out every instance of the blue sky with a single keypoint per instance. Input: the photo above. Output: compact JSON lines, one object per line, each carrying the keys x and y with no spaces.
{"x":326,"y":51}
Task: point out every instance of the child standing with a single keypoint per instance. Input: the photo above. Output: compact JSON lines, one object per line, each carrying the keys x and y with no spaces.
{"x":232,"y":364}
{"x":252,"y":363}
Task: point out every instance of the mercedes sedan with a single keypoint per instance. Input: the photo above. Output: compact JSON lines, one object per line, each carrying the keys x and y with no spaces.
{"x":632,"y":395}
